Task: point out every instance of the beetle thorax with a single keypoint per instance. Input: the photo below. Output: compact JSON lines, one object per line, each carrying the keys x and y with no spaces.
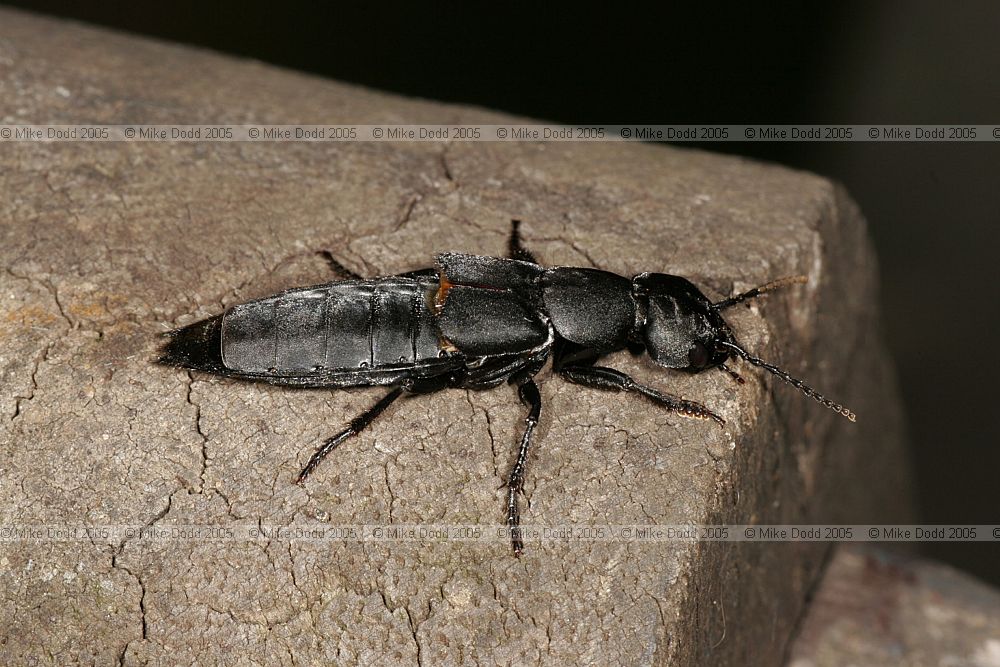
{"x":590,"y":307}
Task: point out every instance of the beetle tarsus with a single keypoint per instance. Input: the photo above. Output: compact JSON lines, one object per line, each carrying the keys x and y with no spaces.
{"x":733,"y":374}
{"x":328,"y":446}
{"x":358,"y":424}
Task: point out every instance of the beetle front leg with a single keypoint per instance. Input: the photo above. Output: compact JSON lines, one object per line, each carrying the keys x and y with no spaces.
{"x":608,"y":379}
{"x":528,"y":391}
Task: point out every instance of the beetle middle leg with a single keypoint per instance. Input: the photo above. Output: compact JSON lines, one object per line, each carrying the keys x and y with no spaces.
{"x":358,"y":424}
{"x":608,"y":379}
{"x":516,"y":249}
{"x":528,"y":391}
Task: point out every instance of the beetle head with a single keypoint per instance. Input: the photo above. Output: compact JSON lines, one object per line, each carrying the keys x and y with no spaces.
{"x":684,"y":330}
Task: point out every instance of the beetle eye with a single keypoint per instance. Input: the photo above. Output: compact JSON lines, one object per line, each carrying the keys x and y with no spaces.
{"x":698,"y":356}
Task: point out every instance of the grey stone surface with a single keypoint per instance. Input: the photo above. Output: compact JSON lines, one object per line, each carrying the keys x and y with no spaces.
{"x":877,"y":607}
{"x":105,"y":245}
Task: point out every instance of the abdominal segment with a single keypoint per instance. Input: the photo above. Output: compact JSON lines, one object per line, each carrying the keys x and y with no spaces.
{"x":340,"y":326}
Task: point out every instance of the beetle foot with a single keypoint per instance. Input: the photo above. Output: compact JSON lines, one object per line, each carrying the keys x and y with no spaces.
{"x":699,"y":411}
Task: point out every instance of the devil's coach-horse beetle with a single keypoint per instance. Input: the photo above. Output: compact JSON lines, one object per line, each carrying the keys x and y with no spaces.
{"x":472,"y":322}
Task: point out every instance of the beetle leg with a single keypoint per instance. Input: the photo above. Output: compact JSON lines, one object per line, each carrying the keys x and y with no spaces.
{"x":601,"y":377}
{"x":572,"y":354}
{"x":337,"y":267}
{"x":515,"y":247}
{"x":358,"y":424}
{"x":528,"y":392}
{"x":731,"y":373}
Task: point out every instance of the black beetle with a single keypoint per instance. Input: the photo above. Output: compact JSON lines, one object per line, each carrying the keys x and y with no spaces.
{"x":472,"y":322}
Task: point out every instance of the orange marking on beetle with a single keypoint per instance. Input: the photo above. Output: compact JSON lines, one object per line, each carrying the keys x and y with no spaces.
{"x":437,"y":299}
{"x":442,"y":293}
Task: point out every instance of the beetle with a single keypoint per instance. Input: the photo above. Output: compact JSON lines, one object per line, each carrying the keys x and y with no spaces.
{"x":473,"y":322}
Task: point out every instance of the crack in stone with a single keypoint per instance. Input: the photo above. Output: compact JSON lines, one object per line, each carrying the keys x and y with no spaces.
{"x":269,"y":269}
{"x":489,"y":430}
{"x":115,"y":565}
{"x":53,"y":291}
{"x":493,"y":442}
{"x":369,"y":270}
{"x":36,"y":364}
{"x":44,"y":352}
{"x":234,"y":292}
{"x":443,"y":159}
{"x":142,"y":606}
{"x":229,"y":504}
{"x":486,"y":229}
{"x":414,"y":625}
{"x":576,"y":247}
{"x":583,"y":251}
{"x":201,"y":433}
{"x":388,"y":486}
{"x":404,"y":217}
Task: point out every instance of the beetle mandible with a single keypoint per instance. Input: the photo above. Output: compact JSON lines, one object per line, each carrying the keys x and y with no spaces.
{"x":473,"y":322}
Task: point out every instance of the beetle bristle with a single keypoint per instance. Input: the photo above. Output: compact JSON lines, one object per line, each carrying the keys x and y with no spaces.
{"x":197,"y":346}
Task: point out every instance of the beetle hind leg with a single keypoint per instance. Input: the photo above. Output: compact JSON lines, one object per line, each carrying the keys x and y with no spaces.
{"x":358,"y":424}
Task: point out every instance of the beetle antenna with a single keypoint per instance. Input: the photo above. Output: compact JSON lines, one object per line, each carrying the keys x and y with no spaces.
{"x":795,"y":382}
{"x":757,"y":291}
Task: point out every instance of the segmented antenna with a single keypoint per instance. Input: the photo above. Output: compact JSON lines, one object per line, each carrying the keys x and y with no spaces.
{"x":757,"y":291}
{"x":795,"y":382}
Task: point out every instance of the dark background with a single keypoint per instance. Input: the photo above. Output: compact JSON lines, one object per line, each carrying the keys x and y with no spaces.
{"x":933,"y":208}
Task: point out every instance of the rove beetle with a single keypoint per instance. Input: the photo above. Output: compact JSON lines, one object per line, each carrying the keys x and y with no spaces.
{"x":473,"y":322}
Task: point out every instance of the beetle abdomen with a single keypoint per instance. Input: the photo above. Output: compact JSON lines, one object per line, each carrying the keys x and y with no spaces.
{"x":341,"y":326}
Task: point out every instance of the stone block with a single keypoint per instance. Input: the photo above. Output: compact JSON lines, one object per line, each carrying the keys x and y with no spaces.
{"x":106,"y":245}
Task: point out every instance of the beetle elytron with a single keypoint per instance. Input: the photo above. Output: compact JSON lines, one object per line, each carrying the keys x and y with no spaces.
{"x":472,"y":322}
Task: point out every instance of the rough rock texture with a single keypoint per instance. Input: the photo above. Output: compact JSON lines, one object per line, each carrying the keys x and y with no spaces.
{"x":106,"y":245}
{"x":875,"y":607}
